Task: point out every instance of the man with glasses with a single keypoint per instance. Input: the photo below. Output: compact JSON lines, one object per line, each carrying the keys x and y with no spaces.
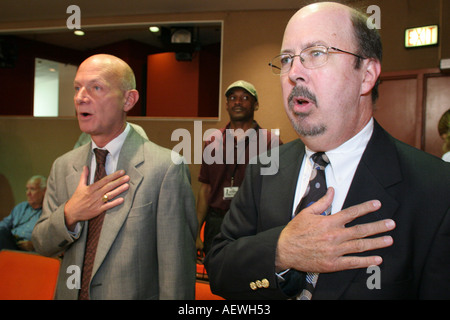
{"x":386,"y":206}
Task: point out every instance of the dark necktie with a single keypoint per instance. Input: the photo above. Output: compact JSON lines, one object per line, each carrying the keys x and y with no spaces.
{"x":317,"y":188}
{"x":94,"y":228}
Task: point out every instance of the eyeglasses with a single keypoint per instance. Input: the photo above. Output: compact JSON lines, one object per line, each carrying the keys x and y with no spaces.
{"x":311,"y":58}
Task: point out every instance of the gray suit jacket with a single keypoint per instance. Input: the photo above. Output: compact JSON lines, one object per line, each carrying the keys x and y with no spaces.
{"x":147,"y":245}
{"x":413,"y":188}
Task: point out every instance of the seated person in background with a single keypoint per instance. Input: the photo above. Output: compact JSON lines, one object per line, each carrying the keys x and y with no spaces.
{"x":15,"y":229}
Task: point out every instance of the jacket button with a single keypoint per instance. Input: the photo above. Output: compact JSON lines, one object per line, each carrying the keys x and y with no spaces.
{"x":265,"y":283}
{"x":253,"y":286}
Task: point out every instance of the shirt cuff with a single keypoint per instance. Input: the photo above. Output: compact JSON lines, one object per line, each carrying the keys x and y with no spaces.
{"x":75,"y":234}
{"x":291,"y":282}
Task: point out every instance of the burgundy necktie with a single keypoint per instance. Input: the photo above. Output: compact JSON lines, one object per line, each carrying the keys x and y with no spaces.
{"x":94,"y":228}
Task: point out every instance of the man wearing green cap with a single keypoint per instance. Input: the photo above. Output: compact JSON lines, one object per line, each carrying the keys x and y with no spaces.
{"x":220,"y":180}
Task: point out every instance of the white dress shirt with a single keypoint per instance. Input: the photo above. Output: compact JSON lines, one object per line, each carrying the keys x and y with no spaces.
{"x":339,"y":173}
{"x":113,"y":147}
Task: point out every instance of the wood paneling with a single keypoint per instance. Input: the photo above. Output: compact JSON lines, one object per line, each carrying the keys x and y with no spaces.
{"x":411,"y":104}
{"x":395,"y":109}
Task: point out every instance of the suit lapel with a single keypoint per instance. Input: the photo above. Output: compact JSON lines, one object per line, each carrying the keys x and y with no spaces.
{"x":377,"y":171}
{"x":283,"y":184}
{"x":130,"y":157}
{"x":83,"y":158}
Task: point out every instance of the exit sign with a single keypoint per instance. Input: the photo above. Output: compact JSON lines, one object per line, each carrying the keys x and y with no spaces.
{"x":421,"y":36}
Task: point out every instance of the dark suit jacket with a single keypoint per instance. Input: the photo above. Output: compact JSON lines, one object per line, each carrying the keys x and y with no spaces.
{"x":414,"y":189}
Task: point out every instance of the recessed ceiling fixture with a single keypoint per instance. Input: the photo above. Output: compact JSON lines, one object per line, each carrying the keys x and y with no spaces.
{"x":79,"y":32}
{"x":181,"y":36}
{"x":154,"y":29}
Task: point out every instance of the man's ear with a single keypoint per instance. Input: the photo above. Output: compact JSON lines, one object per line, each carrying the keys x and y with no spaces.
{"x":131,"y":97}
{"x":371,"y":74}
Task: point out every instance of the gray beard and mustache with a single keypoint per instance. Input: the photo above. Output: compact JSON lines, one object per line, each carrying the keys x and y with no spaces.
{"x":300,"y":126}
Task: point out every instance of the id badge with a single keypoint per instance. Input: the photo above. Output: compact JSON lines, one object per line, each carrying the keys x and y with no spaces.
{"x":229,"y":192}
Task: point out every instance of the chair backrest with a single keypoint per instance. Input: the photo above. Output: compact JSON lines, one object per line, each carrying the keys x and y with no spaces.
{"x":27,"y":276}
{"x":201,"y":271}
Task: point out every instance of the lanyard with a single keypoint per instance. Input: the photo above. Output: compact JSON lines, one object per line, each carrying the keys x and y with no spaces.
{"x":235,"y":143}
{"x":235,"y":160}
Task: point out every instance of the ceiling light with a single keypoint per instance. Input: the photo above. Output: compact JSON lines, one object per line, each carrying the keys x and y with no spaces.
{"x":79,"y":32}
{"x":154,"y":29}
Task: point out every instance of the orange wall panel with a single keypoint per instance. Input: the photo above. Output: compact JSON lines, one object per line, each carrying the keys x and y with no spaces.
{"x":172,"y":83}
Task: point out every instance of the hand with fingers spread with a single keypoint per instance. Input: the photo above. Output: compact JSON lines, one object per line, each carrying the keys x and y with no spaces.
{"x":88,"y":200}
{"x":315,"y":243}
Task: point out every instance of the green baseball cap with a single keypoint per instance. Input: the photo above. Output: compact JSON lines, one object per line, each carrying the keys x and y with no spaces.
{"x":244,"y":85}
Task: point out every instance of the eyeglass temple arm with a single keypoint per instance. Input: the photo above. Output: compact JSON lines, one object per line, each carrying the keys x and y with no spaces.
{"x":353,"y":54}
{"x":274,"y":66}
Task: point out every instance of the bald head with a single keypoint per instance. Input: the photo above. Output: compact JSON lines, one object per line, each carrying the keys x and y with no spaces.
{"x":331,"y":20}
{"x":319,"y":7}
{"x":104,"y":93}
{"x":114,"y":67}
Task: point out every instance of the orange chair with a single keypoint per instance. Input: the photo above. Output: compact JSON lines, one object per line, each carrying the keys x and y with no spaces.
{"x":201,"y":271}
{"x":27,"y":276}
{"x":203,"y":292}
{"x":202,"y":288}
